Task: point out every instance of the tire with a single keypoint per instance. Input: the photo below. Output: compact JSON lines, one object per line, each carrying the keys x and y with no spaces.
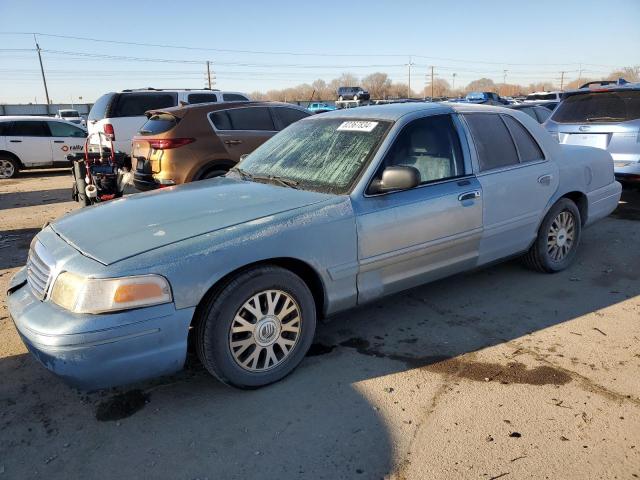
{"x":540,"y":256}
{"x":9,"y":167}
{"x":355,"y":97}
{"x":340,"y":98}
{"x":250,"y":364}
{"x":79,"y":172}
{"x":215,"y":172}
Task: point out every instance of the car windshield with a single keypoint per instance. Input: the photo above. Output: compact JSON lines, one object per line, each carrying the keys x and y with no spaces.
{"x":69,"y":113}
{"x":612,"y":106}
{"x":319,"y":154}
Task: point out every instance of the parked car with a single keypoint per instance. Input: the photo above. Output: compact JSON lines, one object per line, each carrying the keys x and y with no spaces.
{"x":36,"y":142}
{"x":320,"y":107}
{"x":544,"y":97}
{"x":182,"y":144}
{"x":353,"y":93}
{"x":121,"y":114}
{"x":335,"y":211}
{"x":539,"y":113}
{"x":486,"y":98}
{"x":605,"y":117}
{"x":72,"y":116}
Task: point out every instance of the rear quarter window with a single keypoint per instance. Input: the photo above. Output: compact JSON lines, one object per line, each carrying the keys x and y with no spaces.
{"x":528,"y":149}
{"x":135,"y":104}
{"x":493,"y":141}
{"x":599,"y":107}
{"x":286,"y":116}
{"x":158,"y":124}
{"x":202,"y":98}
{"x":99,"y":109}
{"x":234,"y":97}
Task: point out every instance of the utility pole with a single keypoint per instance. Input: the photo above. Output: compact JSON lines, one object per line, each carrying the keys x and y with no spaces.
{"x":432,"y":83}
{"x":562,"y":80}
{"x":453,"y":83}
{"x":44,"y":80}
{"x":409,"y":87}
{"x":208,"y":74}
{"x":579,"y":76}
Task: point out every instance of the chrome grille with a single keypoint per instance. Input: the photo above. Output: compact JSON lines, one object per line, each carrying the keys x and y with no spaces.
{"x":38,"y":271}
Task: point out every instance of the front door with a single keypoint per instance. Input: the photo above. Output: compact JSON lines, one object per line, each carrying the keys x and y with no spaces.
{"x":29,"y":141}
{"x":65,"y":139}
{"x":409,"y":237}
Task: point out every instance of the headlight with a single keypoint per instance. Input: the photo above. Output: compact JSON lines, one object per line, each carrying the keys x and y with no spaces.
{"x":96,"y":295}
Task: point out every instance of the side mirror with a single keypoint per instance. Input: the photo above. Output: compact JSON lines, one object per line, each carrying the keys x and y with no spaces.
{"x":396,"y":178}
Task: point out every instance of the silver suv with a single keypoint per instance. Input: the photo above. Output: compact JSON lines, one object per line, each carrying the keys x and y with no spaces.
{"x":606,"y":116}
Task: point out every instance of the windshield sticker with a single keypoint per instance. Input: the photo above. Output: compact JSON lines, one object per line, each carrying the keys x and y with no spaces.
{"x":357,"y":126}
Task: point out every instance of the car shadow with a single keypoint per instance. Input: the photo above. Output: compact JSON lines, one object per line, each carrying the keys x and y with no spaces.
{"x":12,"y":200}
{"x":14,"y":246}
{"x":317,"y":423}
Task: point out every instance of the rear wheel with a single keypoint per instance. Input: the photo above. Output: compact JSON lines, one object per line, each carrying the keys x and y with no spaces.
{"x":355,"y":97}
{"x":9,"y":167}
{"x":216,"y":172}
{"x":340,"y":98}
{"x":558,"y":238}
{"x":257,"y":328}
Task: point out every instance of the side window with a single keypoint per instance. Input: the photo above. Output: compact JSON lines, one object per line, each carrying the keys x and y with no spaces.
{"x":135,"y":104}
{"x":62,"y":129}
{"x":4,"y":128}
{"x":202,"y":98}
{"x":286,"y":116}
{"x":542,"y":113}
{"x":432,"y":146}
{"x":527,"y":146}
{"x":220,"y":120}
{"x":234,"y":97}
{"x":530,"y":112}
{"x":29,"y":128}
{"x":493,"y":141}
{"x":101,"y":107}
{"x":255,"y":118}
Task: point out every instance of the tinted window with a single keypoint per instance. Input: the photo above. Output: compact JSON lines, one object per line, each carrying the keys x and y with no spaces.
{"x":99,"y":109}
{"x":158,"y":124}
{"x":62,"y":129}
{"x":202,"y":98}
{"x":4,"y":128}
{"x":135,"y":104}
{"x":493,"y":142}
{"x":527,"y":146}
{"x":287,"y":116}
{"x":221,"y":120}
{"x":530,"y":112}
{"x":599,"y":107}
{"x":255,"y":118}
{"x":29,"y":129}
{"x":431,"y":145}
{"x":542,"y":113}
{"x":233,"y":97}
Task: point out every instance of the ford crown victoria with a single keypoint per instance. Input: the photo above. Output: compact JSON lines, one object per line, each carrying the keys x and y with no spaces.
{"x":335,"y":211}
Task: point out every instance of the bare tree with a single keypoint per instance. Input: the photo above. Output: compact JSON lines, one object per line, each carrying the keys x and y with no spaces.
{"x":481,"y":85}
{"x":378,"y":84}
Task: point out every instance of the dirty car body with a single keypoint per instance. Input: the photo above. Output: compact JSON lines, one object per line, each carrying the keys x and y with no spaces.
{"x":350,"y":239}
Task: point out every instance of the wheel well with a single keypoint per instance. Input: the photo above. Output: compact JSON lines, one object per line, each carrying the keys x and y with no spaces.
{"x":580,"y":199}
{"x":300,"y":268}
{"x":227,"y":164}
{"x":12,"y":155}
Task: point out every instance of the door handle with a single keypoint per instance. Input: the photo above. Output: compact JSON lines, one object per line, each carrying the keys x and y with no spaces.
{"x":469,"y":195}
{"x":15,"y":141}
{"x":545,"y":179}
{"x":58,"y":141}
{"x":233,"y":142}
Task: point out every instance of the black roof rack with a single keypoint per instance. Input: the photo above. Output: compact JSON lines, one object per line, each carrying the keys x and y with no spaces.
{"x":603,"y":83}
{"x":151,"y":89}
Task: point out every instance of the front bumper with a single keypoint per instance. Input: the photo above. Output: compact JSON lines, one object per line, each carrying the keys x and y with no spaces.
{"x":130,"y":346}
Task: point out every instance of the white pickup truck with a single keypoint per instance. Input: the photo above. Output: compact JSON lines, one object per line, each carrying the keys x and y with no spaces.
{"x":36,"y":142}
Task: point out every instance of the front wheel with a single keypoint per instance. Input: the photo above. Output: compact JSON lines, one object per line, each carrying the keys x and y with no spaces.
{"x":257,"y":328}
{"x":8,"y":167}
{"x":558,"y":238}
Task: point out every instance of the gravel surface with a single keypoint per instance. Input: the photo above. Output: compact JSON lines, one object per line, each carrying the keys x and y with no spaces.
{"x":499,"y":373}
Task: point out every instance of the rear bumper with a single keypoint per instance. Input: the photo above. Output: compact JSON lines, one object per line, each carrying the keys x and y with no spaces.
{"x":144,"y":181}
{"x":152,"y":342}
{"x":602,"y":202}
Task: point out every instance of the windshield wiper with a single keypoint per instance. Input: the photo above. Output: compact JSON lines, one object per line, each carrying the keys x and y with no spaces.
{"x":243,"y":173}
{"x":286,"y":182}
{"x":595,"y":119}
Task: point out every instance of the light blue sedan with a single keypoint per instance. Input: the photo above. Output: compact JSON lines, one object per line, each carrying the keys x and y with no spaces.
{"x":333,"y":212}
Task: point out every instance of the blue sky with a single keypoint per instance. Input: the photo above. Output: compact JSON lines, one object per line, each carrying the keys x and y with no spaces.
{"x":533,"y":41}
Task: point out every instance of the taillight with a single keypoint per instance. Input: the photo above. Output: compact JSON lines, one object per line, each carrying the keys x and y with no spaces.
{"x":168,"y":143}
{"x":108,"y":129}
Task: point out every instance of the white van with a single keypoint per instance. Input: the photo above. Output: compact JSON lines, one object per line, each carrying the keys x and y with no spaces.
{"x":121,"y":114}
{"x":36,"y":142}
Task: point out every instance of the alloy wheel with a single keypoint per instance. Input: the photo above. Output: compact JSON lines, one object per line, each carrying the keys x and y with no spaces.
{"x":6,"y":168}
{"x":561,"y":236}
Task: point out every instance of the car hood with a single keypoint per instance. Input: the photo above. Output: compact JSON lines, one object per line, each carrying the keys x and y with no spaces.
{"x":122,"y":228}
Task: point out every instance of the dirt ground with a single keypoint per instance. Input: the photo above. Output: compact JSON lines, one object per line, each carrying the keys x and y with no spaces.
{"x":501,"y":373}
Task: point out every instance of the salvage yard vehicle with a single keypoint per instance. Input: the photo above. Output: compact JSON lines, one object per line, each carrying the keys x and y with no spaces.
{"x":316,"y":107}
{"x":335,"y":211}
{"x":36,"y":142}
{"x":196,"y":142}
{"x":71,"y":115}
{"x":538,"y":112}
{"x":353,"y":93}
{"x":606,"y":117}
{"x":120,"y":115}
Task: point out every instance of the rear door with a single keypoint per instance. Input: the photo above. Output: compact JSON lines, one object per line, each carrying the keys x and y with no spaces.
{"x":242,"y":130}
{"x":65,"y":139}
{"x":517,"y":183}
{"x":30,"y":141}
{"x":285,"y":116}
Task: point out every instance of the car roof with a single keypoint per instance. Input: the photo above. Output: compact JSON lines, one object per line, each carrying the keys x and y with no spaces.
{"x":605,"y":88}
{"x":180,"y":111}
{"x":9,"y":118}
{"x":394,"y":111}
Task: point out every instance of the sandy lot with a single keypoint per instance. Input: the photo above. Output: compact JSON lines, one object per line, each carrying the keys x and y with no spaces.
{"x":501,"y":373}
